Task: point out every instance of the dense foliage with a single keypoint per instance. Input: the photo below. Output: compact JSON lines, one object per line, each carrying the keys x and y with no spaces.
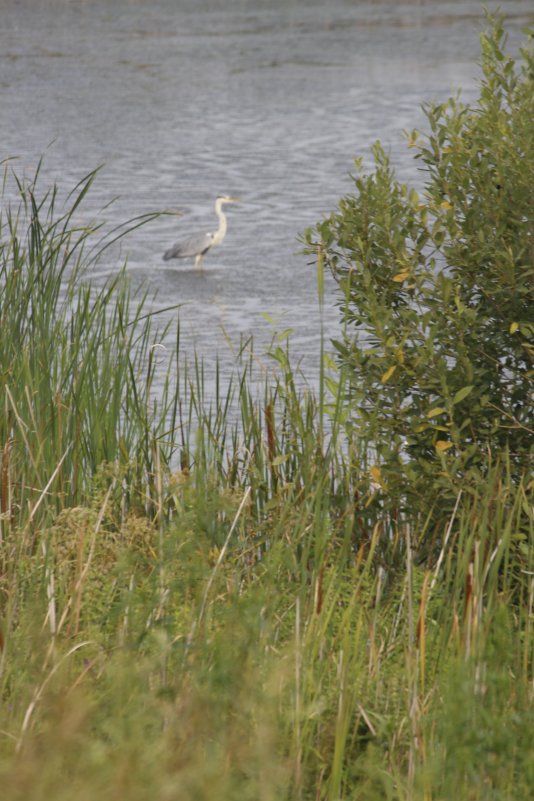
{"x":437,"y":291}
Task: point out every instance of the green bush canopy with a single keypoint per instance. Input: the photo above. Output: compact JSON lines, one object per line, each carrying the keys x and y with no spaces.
{"x":437,"y":291}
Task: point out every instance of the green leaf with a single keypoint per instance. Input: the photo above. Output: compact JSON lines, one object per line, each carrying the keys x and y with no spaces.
{"x":320,"y":275}
{"x":461,"y":394}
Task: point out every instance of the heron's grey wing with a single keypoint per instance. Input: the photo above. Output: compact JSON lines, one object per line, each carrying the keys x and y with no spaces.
{"x":192,"y":246}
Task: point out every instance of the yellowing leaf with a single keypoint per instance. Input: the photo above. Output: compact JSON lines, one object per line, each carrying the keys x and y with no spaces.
{"x":376,"y":474}
{"x":387,"y":375}
{"x":278,"y":460}
{"x":330,"y":362}
{"x":400,"y":277}
{"x":437,"y":410}
{"x":443,"y":445}
{"x":514,"y":327}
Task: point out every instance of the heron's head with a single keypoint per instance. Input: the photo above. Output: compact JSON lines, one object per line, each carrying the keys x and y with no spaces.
{"x":221,"y":199}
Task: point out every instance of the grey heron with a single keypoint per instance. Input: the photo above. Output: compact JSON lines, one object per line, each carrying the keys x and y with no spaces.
{"x":198,"y":244}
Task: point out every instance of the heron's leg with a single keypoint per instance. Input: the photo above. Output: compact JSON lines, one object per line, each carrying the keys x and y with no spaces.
{"x":198,"y":261}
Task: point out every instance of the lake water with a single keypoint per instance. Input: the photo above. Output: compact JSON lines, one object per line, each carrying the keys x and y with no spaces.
{"x":182,"y":100}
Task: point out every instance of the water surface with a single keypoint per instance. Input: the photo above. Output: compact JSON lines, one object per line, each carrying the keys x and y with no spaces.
{"x":271,"y":101}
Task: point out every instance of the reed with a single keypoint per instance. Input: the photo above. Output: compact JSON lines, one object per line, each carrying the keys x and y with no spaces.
{"x":78,"y":364}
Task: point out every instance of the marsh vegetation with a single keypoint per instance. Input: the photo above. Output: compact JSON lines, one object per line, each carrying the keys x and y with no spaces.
{"x":329,"y":596}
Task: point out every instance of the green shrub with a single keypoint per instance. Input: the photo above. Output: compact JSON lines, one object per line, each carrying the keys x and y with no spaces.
{"x":437,"y":292}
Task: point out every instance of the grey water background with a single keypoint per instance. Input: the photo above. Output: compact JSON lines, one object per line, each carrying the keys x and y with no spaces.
{"x":182,"y":100}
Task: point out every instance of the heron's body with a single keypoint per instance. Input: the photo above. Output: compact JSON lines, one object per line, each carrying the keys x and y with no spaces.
{"x":198,"y":245}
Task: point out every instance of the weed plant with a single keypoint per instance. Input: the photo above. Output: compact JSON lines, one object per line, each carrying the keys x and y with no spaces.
{"x":196,"y":608}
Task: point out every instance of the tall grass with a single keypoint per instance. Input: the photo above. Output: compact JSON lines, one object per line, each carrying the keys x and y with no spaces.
{"x":77,"y":364}
{"x":194,"y":606}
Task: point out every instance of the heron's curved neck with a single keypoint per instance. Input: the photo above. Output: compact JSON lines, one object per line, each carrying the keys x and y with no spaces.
{"x":220,"y":233}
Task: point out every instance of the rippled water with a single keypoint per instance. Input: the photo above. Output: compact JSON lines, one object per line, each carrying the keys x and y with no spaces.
{"x":272,"y":101}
